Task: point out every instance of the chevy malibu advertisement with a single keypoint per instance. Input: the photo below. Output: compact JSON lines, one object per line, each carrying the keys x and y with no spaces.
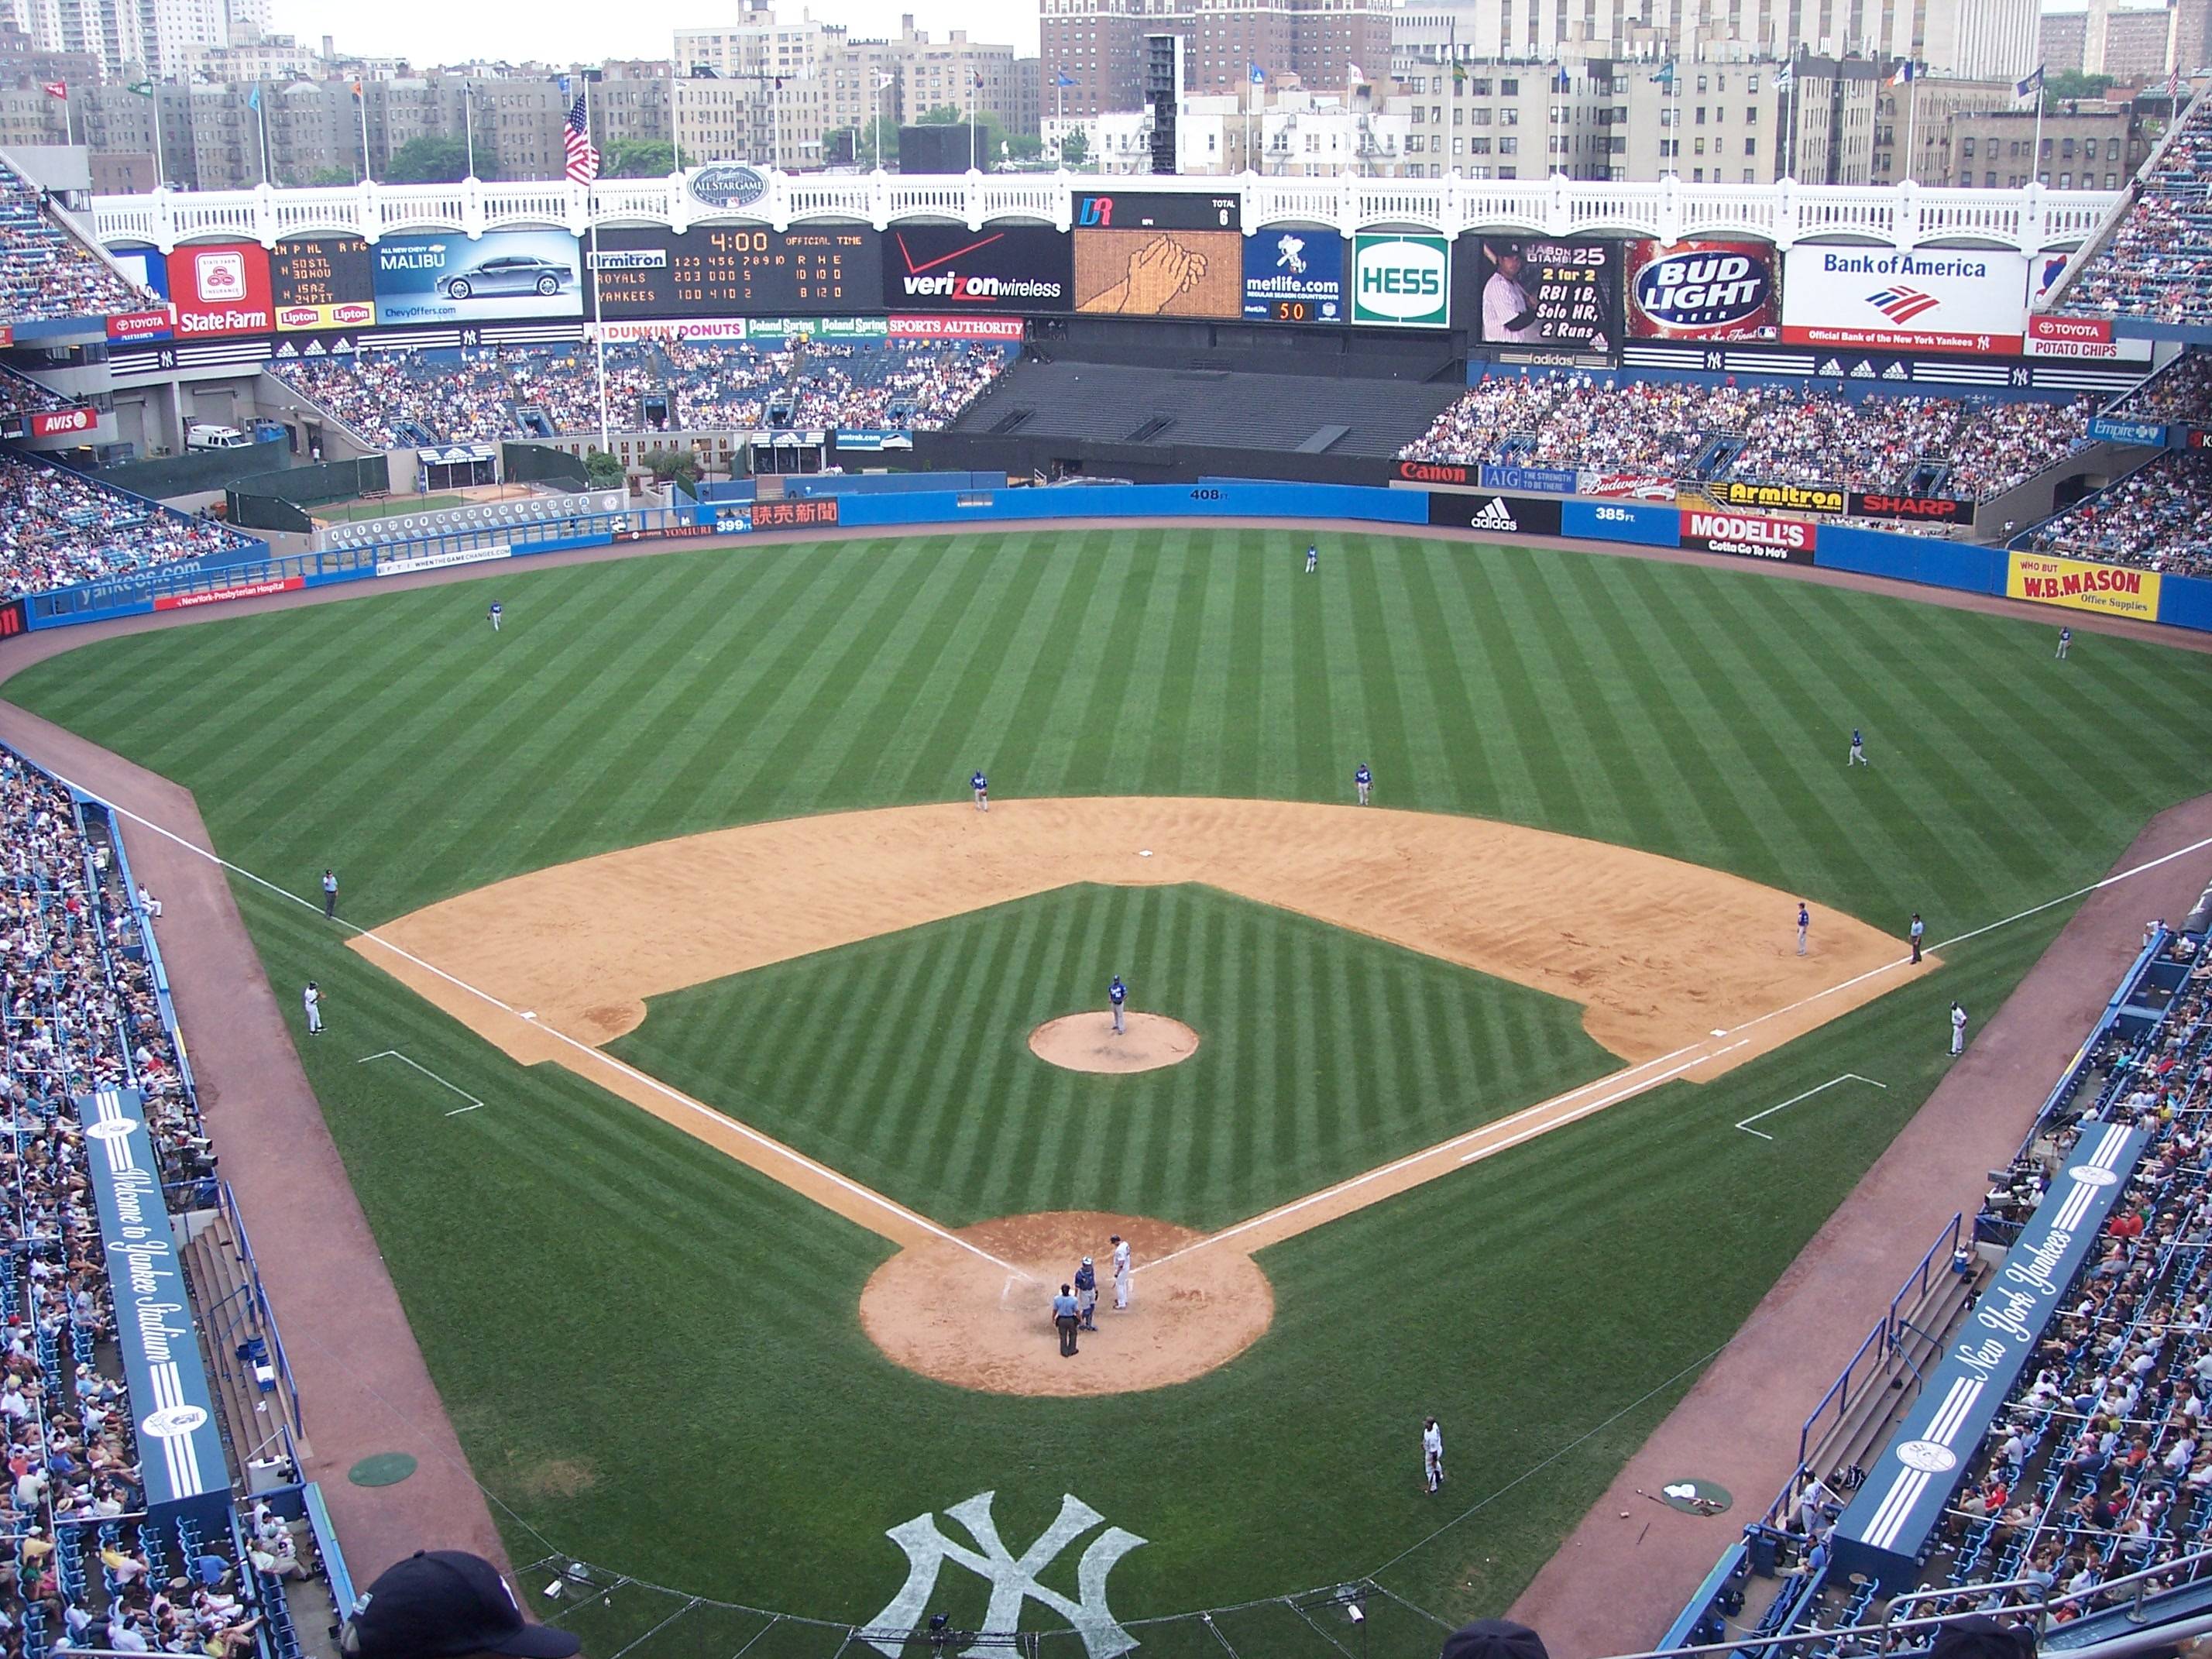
{"x":439,"y":278}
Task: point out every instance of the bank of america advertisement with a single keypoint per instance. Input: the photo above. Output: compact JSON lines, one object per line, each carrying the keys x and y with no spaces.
{"x":1969,"y":299}
{"x":1294,"y":277}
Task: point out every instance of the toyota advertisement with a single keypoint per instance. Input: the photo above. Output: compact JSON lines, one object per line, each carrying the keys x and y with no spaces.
{"x":1294,"y":277}
{"x":1965,"y":299}
{"x":1704,"y":289}
{"x":949,"y":268}
{"x":450,"y":278}
{"x":220,"y":289}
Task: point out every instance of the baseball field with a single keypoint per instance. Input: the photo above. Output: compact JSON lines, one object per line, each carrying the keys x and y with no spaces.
{"x":742,"y":1264}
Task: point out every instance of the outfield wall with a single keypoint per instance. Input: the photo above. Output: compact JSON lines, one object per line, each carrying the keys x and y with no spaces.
{"x":961,"y":500}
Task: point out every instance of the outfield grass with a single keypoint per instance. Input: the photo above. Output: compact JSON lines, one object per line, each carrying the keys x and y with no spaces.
{"x":652,"y":1353}
{"x":904,"y":1061}
{"x":396,"y":506}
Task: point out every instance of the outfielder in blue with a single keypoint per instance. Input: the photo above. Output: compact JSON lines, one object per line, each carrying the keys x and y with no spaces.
{"x":1118,"y":993}
{"x":1857,"y":757}
{"x":1361,"y":780}
{"x":1313,"y":560}
{"x":981,"y":786}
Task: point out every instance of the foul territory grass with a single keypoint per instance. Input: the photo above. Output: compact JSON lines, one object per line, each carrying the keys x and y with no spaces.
{"x":398,"y":507}
{"x":904,"y":1061}
{"x":652,"y":1352}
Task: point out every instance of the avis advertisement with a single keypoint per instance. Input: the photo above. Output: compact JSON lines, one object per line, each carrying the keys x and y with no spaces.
{"x":439,"y":278}
{"x":1704,"y":290}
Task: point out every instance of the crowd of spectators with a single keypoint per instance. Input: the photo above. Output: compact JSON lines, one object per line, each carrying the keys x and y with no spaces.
{"x":1974,"y":447}
{"x":2180,"y":394}
{"x":21,"y":395}
{"x":78,"y":1011}
{"x":391,"y":400}
{"x":46,"y":273}
{"x":57,"y":528}
{"x":2158,"y":517}
{"x":2158,"y":264}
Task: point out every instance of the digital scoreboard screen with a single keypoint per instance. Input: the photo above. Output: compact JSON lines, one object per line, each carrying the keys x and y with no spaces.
{"x":738,"y":270}
{"x":322,"y":282}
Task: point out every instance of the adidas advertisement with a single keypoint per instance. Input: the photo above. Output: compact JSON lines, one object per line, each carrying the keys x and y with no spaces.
{"x":1495,"y":515}
{"x":1013,"y":269}
{"x":1951,"y":299}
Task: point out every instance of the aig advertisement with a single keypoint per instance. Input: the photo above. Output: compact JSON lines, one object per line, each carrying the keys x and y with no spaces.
{"x":1402,"y":281}
{"x":1011,"y":268}
{"x":1294,"y":277}
{"x":1704,"y":290}
{"x":1966,"y":300}
{"x":439,"y":279}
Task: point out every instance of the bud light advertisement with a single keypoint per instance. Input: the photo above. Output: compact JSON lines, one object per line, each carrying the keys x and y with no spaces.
{"x":1704,"y":289}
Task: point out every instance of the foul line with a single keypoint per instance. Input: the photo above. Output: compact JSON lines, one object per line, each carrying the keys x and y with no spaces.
{"x":1848,"y":1077}
{"x":776,"y":1148}
{"x":394,"y":1054}
{"x":845,"y":1183}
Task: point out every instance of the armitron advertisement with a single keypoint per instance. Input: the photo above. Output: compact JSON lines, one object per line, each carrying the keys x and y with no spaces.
{"x":1704,"y":290}
{"x":1786,"y":541}
{"x":1160,"y":273}
{"x":1541,"y":293}
{"x":1775,"y":497}
{"x":1294,"y":277}
{"x":450,"y":278}
{"x":1928,"y":300}
{"x":1015,"y":269}
{"x":219,"y":288}
{"x":1403,"y":282}
{"x":2110,"y":589}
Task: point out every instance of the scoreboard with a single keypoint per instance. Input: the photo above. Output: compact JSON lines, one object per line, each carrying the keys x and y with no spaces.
{"x":322,"y":282}
{"x":738,"y":270}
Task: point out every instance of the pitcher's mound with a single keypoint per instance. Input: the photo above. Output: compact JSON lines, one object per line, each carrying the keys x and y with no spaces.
{"x":950,"y":1314}
{"x":1086,"y":1042}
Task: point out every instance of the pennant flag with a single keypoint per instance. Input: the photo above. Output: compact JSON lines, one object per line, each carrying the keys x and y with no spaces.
{"x":1358,"y":79}
{"x":143,"y":88}
{"x":1783,"y":77}
{"x":55,"y":88}
{"x":360,"y":92}
{"x":254,"y":100}
{"x":1458,"y":75}
{"x":1061,"y":78}
{"x":2031,"y":85}
{"x":1666,"y":75}
{"x":1559,"y":79}
{"x":1259,"y":75}
{"x":883,"y":81}
{"x":576,"y":139}
{"x":1904,"y":74}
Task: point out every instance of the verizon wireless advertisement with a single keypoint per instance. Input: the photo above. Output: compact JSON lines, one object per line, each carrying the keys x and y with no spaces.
{"x":1015,"y":269}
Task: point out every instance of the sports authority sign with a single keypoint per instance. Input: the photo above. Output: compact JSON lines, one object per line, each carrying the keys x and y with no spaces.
{"x":2111,"y":590}
{"x":1402,"y":281}
{"x":956,"y":328}
{"x":1969,"y":299}
{"x":1785,"y":541}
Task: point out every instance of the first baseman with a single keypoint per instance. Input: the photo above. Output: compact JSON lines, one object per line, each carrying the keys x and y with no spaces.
{"x":1118,"y":993}
{"x":1361,"y":780}
{"x":981,"y":786}
{"x":1121,"y":1273}
{"x":1957,"y":1030}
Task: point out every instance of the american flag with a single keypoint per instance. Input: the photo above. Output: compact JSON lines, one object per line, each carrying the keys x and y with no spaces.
{"x":583,"y":159}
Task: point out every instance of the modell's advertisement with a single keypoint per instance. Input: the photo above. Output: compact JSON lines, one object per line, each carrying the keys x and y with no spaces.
{"x":1704,"y":289}
{"x":1540,"y":293}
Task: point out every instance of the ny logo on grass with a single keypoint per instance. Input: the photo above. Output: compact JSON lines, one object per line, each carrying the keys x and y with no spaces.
{"x":1013,"y":1579}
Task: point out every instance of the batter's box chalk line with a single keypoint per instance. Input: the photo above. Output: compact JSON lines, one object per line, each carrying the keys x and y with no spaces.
{"x":1848,"y":1077}
{"x":394,"y":1054}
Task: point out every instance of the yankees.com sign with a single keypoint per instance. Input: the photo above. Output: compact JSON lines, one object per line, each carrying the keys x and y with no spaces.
{"x":1017,"y":269}
{"x":1936,"y":298}
{"x":1785,"y":541}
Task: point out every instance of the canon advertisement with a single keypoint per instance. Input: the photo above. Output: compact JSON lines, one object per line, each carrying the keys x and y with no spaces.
{"x":1013,"y":268}
{"x":1294,"y":277}
{"x":1539,"y":293}
{"x":1970,"y":300}
{"x":1785,"y":541}
{"x":1704,"y":289}
{"x":220,"y":289}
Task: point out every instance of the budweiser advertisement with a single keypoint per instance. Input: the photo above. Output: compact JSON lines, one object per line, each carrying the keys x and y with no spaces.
{"x":1749,"y":536}
{"x":2082,"y":337}
{"x":1964,"y":300}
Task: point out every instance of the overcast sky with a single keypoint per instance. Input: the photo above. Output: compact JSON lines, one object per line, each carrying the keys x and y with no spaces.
{"x":427,"y":32}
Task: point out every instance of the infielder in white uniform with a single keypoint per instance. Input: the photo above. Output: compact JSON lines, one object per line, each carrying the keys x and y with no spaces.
{"x":314,"y":1000}
{"x":1432,"y":1455}
{"x":1120,"y":1274}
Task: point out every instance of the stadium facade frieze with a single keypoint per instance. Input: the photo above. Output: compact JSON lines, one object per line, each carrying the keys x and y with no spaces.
{"x":1902,"y":217}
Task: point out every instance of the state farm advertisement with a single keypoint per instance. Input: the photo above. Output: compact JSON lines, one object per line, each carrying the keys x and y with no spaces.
{"x":1008,"y":268}
{"x":2082,"y":337}
{"x":1785,"y":541}
{"x":219,"y":288}
{"x":1704,"y":290}
{"x":1969,"y":299}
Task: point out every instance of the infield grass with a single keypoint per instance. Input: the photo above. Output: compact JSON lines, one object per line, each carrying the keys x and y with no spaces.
{"x":652,"y":1353}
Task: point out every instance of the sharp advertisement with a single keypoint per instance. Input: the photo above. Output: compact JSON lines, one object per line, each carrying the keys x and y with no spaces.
{"x":1016,"y":269}
{"x":737,"y":271}
{"x":220,"y":289}
{"x":1294,"y":277}
{"x":1159,"y":273}
{"x":1539,"y":293}
{"x":322,"y":282}
{"x":1402,"y":281}
{"x":1704,"y":289}
{"x":450,"y":278}
{"x":1954,"y":299}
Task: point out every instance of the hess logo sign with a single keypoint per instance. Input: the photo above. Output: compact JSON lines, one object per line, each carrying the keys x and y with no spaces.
{"x":1399,"y":279}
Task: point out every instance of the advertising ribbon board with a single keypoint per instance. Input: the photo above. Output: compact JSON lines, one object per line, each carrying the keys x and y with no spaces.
{"x":1911,"y":509}
{"x":2111,"y":590}
{"x":1749,"y":493}
{"x":1537,"y":480}
{"x":805,"y":514}
{"x":1506,"y":515}
{"x":219,"y":595}
{"x":2147,"y":434}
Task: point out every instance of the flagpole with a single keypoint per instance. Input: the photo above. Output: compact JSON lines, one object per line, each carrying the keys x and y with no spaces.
{"x":261,"y":117}
{"x":599,"y":308}
{"x":361,"y":96}
{"x":161,"y":164}
{"x":2035,"y":153}
{"x":469,"y":124}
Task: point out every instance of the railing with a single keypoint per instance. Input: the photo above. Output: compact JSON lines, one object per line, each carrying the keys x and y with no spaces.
{"x":294,"y":1427}
{"x":1901,"y":215}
